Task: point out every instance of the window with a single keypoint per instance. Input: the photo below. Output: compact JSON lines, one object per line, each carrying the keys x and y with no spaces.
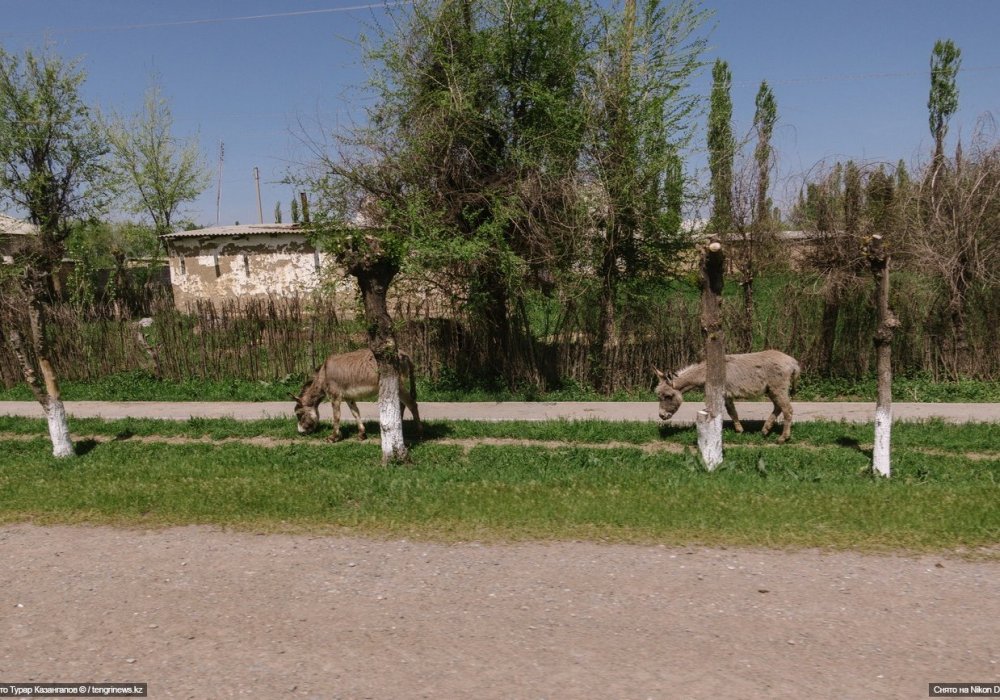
{"x":183,"y":266}
{"x":246,"y":265}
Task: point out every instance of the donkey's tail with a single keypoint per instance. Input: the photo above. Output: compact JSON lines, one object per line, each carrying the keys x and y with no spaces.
{"x":794,"y":384}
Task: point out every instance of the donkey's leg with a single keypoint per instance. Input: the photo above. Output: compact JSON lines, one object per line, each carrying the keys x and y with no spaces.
{"x":786,"y":414}
{"x":769,"y":423}
{"x":335,"y":435}
{"x":731,"y":410}
{"x":410,"y":403}
{"x":356,"y":412}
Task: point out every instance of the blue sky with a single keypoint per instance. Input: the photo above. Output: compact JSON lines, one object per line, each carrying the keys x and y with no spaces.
{"x":850,"y":76}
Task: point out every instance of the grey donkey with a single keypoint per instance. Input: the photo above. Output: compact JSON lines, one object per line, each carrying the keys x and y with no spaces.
{"x":768,"y":373}
{"x":349,"y":377}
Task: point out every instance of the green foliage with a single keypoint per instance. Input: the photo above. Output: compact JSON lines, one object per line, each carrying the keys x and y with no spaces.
{"x":52,"y":152}
{"x":946,"y":60}
{"x":721,"y":147}
{"x":642,"y":118}
{"x":764,"y":118}
{"x":157,"y":171}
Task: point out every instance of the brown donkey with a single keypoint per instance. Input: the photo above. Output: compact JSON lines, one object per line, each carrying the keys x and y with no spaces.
{"x":349,"y":377}
{"x":769,"y":373}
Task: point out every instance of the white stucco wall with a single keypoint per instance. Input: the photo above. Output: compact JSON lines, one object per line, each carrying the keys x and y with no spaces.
{"x":239,"y":267}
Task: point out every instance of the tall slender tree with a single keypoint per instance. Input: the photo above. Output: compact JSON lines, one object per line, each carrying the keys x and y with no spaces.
{"x":757,"y":237}
{"x":721,"y":148}
{"x":946,"y":60}
{"x":764,"y":118}
{"x":52,"y":167}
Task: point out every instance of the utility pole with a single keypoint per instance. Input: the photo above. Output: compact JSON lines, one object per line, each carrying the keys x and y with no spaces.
{"x":260,"y":212}
{"x":218,"y":189}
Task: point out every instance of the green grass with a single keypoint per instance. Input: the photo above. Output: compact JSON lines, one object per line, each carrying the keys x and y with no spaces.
{"x":931,"y":434}
{"x":815,"y":492}
{"x":140,"y":386}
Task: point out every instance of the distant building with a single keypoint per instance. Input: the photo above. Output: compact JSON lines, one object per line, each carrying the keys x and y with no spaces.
{"x":225,"y":263}
{"x":11,"y":232}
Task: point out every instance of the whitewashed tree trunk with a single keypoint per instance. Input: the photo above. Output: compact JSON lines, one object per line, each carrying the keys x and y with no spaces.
{"x":45,"y":389}
{"x":878,"y":259}
{"x":709,"y":438}
{"x":881,"y":463}
{"x":709,"y":421}
{"x":62,"y":443}
{"x":390,"y":417}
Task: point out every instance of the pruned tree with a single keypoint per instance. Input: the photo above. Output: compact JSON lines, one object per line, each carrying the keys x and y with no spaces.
{"x":878,"y":260}
{"x":157,"y":171}
{"x":369,"y":237}
{"x":53,"y":168}
{"x":709,"y":421}
{"x":277,"y":212}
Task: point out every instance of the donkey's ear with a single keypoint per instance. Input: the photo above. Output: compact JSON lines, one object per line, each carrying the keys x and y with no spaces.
{"x":659,"y":374}
{"x":293,"y":397}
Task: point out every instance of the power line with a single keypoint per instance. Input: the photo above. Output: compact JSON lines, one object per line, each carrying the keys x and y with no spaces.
{"x":856,"y":76}
{"x":219,"y":20}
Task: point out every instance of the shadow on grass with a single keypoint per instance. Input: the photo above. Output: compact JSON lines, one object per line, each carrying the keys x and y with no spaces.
{"x":432,"y":431}
{"x":84,"y":447}
{"x":669,"y":430}
{"x":852,"y":444}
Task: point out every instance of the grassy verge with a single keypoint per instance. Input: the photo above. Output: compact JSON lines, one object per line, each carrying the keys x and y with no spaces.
{"x":140,"y":386}
{"x":812,"y":493}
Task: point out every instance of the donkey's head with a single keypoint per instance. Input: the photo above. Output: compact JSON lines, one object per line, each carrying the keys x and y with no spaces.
{"x":670,"y":399}
{"x":307,"y":415}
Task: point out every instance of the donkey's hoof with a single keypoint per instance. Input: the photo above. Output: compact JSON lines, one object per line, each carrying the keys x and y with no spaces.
{"x":738,"y":428}
{"x":362,"y":436}
{"x":333,"y":438}
{"x":782,"y":440}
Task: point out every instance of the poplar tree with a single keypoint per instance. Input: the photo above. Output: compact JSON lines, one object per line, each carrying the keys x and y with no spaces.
{"x":721,"y":148}
{"x":946,"y":60}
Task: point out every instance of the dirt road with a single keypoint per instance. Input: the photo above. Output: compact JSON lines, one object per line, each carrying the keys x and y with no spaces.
{"x":199,"y":613}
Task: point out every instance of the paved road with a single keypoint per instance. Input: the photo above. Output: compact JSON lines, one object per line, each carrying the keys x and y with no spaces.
{"x":855,"y":412}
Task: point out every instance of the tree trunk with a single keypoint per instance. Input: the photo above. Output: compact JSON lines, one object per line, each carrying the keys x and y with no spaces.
{"x":45,"y":388}
{"x":710,"y":424}
{"x":828,"y":331}
{"x":746,"y":326}
{"x":603,"y":358}
{"x":373,"y":280}
{"x":878,"y":259}
{"x":956,"y":310}
{"x":494,"y":312}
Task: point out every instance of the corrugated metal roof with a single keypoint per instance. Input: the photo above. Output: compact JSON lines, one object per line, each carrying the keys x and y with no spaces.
{"x":238,"y":230}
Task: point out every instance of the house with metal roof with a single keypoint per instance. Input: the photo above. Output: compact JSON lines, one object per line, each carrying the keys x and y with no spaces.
{"x":227,"y":263}
{"x":11,"y":232}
